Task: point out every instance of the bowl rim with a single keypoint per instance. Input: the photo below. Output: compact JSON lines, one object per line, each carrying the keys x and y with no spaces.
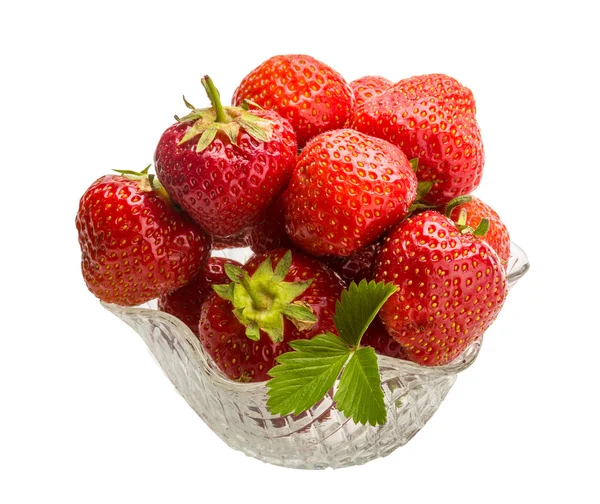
{"x":517,"y":266}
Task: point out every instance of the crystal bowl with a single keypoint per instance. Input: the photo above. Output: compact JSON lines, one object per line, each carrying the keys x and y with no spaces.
{"x":318,"y":438}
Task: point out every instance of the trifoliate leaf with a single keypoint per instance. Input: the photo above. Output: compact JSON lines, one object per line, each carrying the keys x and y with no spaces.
{"x":358,"y":307}
{"x":359,"y":395}
{"x":304,"y":376}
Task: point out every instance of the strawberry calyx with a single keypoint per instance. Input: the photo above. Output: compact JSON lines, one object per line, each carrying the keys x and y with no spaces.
{"x":147,"y":182}
{"x":207,"y":122}
{"x":461,"y":223}
{"x":263,"y":301}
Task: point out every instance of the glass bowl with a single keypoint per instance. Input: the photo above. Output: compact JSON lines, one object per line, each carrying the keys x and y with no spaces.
{"x":318,"y":438}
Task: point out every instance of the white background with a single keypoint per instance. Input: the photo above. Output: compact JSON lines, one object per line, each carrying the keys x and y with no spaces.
{"x":87,"y":416}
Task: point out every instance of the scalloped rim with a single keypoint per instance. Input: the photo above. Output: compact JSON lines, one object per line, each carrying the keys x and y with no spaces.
{"x":518,"y":265}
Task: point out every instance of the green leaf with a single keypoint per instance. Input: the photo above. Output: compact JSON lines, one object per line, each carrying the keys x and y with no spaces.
{"x":288,"y":291}
{"x":193,"y":132}
{"x":299,"y":312}
{"x":482,"y":228}
{"x":283,"y":267}
{"x":258,"y":128}
{"x":453,"y":203}
{"x":423,"y":188}
{"x":358,"y":307}
{"x":304,"y":376}
{"x":253,"y":332}
{"x":359,"y":395}
{"x":414,"y":164}
{"x":224,"y":291}
{"x":235,"y":273}
{"x":265,"y":269}
{"x":188,"y":104}
{"x":207,"y":137}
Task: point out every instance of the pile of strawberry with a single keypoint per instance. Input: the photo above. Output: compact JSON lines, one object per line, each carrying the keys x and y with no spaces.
{"x":328,"y":183}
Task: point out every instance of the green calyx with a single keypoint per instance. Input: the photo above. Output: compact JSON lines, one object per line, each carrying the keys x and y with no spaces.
{"x":146,"y":181}
{"x":263,"y":301}
{"x":461,"y":223}
{"x":229,"y":120}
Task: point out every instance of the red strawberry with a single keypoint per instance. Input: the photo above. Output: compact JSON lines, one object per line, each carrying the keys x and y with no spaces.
{"x":347,"y":190}
{"x":243,"y":337}
{"x":357,"y":266}
{"x":445,"y":90}
{"x":446,"y":140}
{"x":270,"y":234}
{"x":135,"y":245}
{"x":378,"y":338}
{"x":369,"y":86}
{"x":185,"y":303}
{"x":307,"y":92}
{"x":470,"y":211}
{"x":451,"y":287}
{"x":225,"y":165}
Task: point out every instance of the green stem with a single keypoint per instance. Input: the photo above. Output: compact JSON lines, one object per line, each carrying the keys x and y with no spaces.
{"x":257,"y":300}
{"x":215,"y":99}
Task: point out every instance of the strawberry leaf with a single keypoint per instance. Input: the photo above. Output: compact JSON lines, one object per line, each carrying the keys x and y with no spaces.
{"x":304,"y":376}
{"x":358,"y":307}
{"x":359,"y":395}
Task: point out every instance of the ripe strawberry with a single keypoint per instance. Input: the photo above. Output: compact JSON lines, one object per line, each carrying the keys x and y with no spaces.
{"x":134,"y":244}
{"x":308,"y":93}
{"x":451,"y":287}
{"x":445,"y":91}
{"x":225,"y":165}
{"x":270,"y":234}
{"x":369,"y":86}
{"x":244,"y":335}
{"x":469,"y":213}
{"x":185,"y":303}
{"x":347,"y":190}
{"x":377,"y":337}
{"x":433,"y":128}
{"x":357,"y":266}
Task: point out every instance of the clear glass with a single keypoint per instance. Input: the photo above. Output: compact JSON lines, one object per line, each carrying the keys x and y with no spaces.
{"x":319,"y":438}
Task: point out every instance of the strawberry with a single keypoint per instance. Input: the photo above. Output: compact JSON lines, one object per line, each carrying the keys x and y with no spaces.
{"x":451,"y":287}
{"x":308,"y":93}
{"x":469,"y":212}
{"x":378,"y":338}
{"x":438,"y":129}
{"x":369,"y":86}
{"x":225,"y":165}
{"x":347,"y":190}
{"x":357,"y":266}
{"x":185,"y":303}
{"x":443,"y":89}
{"x":270,"y":234}
{"x":134,"y":244}
{"x":245,"y":325}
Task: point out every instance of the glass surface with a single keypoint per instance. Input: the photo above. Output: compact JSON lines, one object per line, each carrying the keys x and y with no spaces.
{"x":318,"y":438}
